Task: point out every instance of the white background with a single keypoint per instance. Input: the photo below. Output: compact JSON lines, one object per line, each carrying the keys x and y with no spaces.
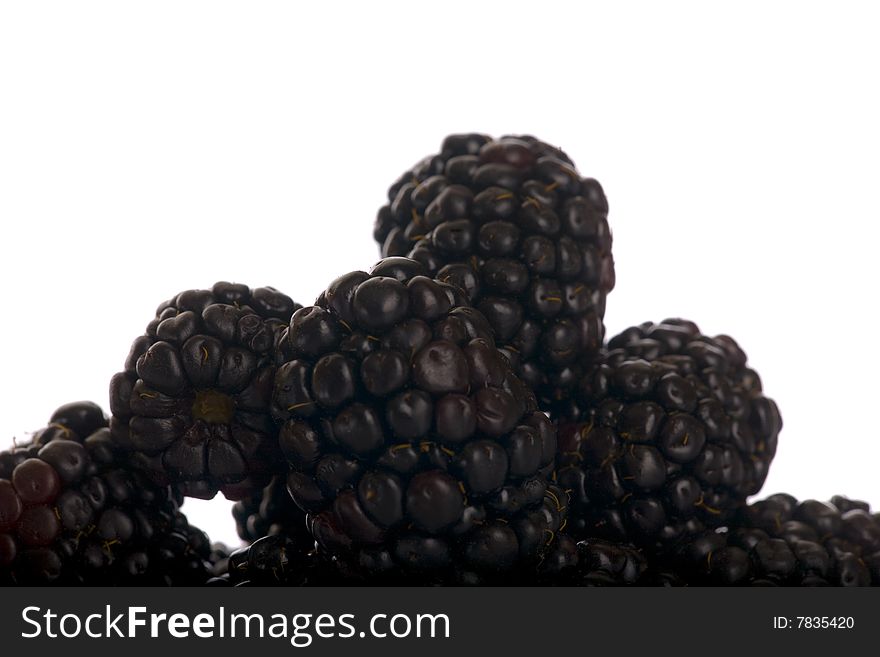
{"x":147,"y":148}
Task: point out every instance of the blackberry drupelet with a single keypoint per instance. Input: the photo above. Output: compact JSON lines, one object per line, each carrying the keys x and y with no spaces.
{"x":782,"y":542}
{"x":669,"y":434}
{"x":512,"y":223}
{"x":82,"y":418}
{"x":72,"y":421}
{"x":192,"y":402}
{"x":270,"y":511}
{"x":413,"y":447}
{"x":73,"y":512}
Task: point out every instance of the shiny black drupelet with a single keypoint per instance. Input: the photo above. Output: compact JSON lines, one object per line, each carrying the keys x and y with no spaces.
{"x":513,"y":223}
{"x":192,"y":403}
{"x":413,"y":447}
{"x":669,"y":433}
{"x":73,"y":512}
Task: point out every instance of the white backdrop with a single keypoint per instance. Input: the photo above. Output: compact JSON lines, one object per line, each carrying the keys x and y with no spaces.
{"x":146,"y":148}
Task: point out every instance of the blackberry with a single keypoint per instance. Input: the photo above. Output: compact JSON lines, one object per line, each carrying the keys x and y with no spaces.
{"x":413,"y":447}
{"x":270,"y":511}
{"x":592,"y":562}
{"x":669,"y":434}
{"x":279,"y":560}
{"x":192,"y":401}
{"x":73,"y":512}
{"x":512,"y":223}
{"x":845,"y":527}
{"x":782,"y":542}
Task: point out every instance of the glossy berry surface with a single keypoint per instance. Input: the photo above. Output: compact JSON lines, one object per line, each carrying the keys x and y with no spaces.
{"x":412,"y":445}
{"x":512,"y":223}
{"x":192,"y":402}
{"x":669,"y":433}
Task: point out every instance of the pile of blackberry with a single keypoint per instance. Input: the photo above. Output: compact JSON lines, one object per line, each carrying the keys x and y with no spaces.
{"x":452,"y":416}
